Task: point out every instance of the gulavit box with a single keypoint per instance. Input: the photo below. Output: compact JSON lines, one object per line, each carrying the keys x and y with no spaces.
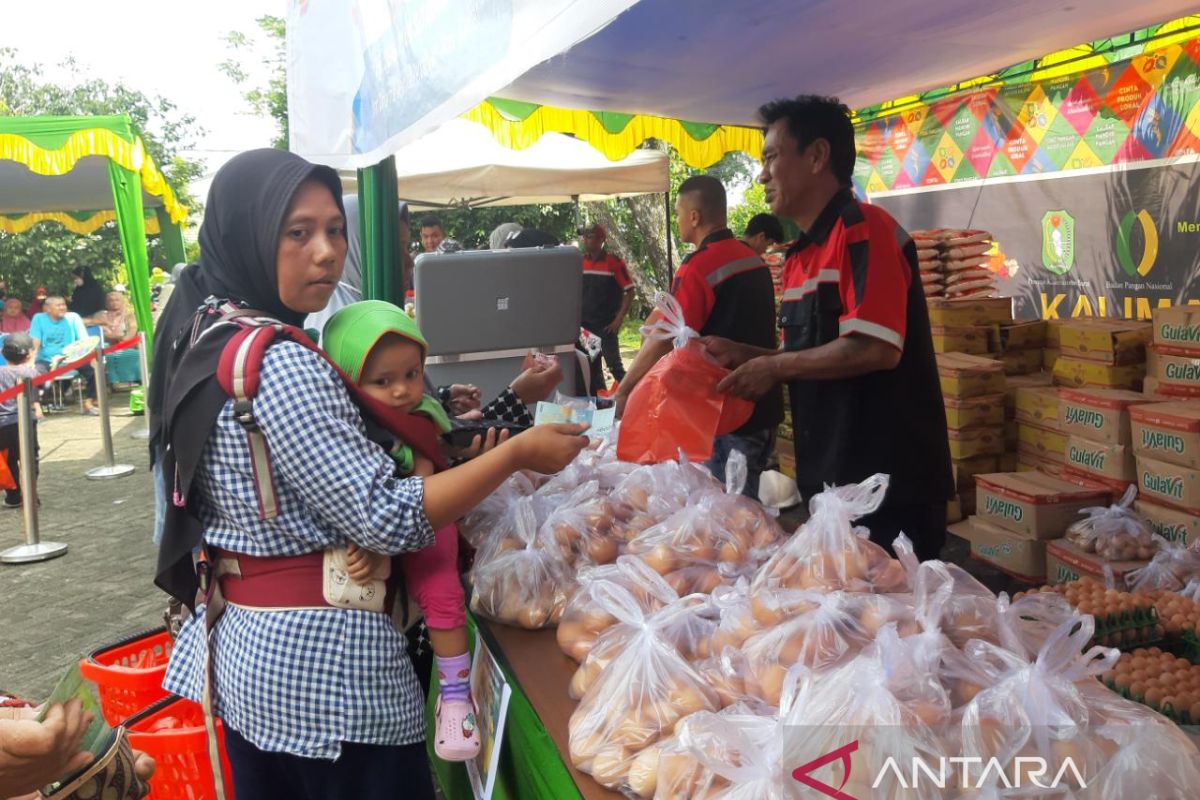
{"x":1018,"y":555}
{"x":1033,"y":503}
{"x":1101,"y":459}
{"x":963,"y":375}
{"x":974,"y":412}
{"x":1177,"y":326}
{"x":1110,"y":341}
{"x":1066,"y":562}
{"x":1172,"y":524}
{"x":1098,"y":414}
{"x":1176,"y":370}
{"x":1172,"y":484}
{"x":1167,"y":431}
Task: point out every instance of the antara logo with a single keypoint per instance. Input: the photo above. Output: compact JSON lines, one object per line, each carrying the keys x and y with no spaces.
{"x":964,"y":772}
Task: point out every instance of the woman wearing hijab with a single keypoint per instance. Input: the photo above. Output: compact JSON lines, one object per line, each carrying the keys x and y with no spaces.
{"x":14,"y":319}
{"x":317,"y":701}
{"x":88,"y":298}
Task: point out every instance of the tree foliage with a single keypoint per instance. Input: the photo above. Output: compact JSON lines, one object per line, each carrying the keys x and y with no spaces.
{"x":269,"y":100}
{"x":46,"y":254}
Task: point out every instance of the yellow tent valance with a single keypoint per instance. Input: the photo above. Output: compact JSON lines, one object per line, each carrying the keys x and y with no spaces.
{"x":74,"y":224}
{"x":585,"y":125}
{"x":93,"y":142}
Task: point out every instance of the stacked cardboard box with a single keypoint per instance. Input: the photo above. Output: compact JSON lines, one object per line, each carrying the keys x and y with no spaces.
{"x":1098,"y":424}
{"x":1173,"y":366}
{"x":1166,"y":444}
{"x":1041,"y":442}
{"x":1103,"y":353}
{"x":1053,"y":346}
{"x":1021,"y":345}
{"x":1019,"y":515}
{"x":973,"y":391}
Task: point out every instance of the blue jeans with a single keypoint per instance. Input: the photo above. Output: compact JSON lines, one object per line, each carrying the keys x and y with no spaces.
{"x":756,"y":447}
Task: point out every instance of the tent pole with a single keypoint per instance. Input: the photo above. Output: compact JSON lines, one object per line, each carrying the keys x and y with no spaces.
{"x":670,"y":266}
{"x":379,"y":228}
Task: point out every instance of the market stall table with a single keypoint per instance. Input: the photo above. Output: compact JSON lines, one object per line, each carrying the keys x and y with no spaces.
{"x":533,"y":760}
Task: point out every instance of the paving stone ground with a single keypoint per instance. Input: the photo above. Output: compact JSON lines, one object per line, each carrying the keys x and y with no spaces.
{"x":54,"y":612}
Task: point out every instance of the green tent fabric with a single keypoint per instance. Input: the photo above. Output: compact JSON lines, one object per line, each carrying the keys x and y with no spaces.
{"x":379,"y":229}
{"x":127,"y":198}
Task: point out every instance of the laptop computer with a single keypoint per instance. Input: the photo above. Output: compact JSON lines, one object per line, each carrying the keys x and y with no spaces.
{"x":482,"y":310}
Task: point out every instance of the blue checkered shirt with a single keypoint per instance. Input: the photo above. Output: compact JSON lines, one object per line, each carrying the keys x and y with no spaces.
{"x":303,"y":682}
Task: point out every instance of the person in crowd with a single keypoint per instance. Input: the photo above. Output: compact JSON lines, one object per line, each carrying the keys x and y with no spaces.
{"x":502,"y":233}
{"x":763,"y":232}
{"x":432,"y":234}
{"x":34,"y":754}
{"x":531,"y":237}
{"x":117,"y":321}
{"x":18,"y":355}
{"x":87,"y":299}
{"x":39,"y":298}
{"x":382,"y":350}
{"x":607,"y":295}
{"x":52,"y":330}
{"x":316,"y":701}
{"x":14,"y":319}
{"x":857,"y":351}
{"x":725,"y":290}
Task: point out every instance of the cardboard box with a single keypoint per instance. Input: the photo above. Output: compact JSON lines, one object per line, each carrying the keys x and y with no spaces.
{"x":1043,"y":442}
{"x":1014,"y":383}
{"x":974,"y":412}
{"x":972,"y":442}
{"x":1032,"y":503}
{"x":1067,"y":562}
{"x":1170,"y":523}
{"x":962,"y":313}
{"x":963,"y":375}
{"x":977,"y":340}
{"x":1177,"y":326}
{"x":1172,"y":484}
{"x":1022,"y":557}
{"x":1177,"y":370}
{"x":953,"y":511}
{"x":965,"y":470}
{"x":1114,"y":487}
{"x":1023,"y":335}
{"x":1038,"y":406}
{"x":1167,"y":431}
{"x":1082,"y":372}
{"x":1012,"y":435}
{"x":1029,"y":461}
{"x":1050,"y":357}
{"x":1110,"y":341}
{"x":1008,"y":462}
{"x":1054,"y":333}
{"x":1098,"y":414}
{"x":1022,"y":362}
{"x":1112,"y":461}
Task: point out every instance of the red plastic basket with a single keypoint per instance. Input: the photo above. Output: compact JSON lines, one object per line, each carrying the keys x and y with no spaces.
{"x":172,"y":733}
{"x":129,"y":674}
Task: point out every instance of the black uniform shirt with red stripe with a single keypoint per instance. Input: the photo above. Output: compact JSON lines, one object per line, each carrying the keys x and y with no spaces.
{"x":725,"y":289}
{"x":605,"y":280}
{"x":855,"y":273}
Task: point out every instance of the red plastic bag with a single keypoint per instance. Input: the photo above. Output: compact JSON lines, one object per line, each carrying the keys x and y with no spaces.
{"x":677,"y":407}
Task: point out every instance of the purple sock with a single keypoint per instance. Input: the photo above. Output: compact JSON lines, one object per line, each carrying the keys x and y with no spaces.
{"x":454,"y":675}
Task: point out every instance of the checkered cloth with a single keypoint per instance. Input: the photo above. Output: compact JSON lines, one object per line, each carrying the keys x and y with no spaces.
{"x":303,"y":682}
{"x":507,"y":407}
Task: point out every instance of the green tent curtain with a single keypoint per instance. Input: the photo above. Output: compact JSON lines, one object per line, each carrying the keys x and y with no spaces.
{"x":379,"y":228}
{"x":171,"y":236}
{"x":127,"y":199}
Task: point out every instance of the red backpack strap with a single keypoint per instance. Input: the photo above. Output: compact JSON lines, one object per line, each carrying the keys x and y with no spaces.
{"x":239,"y":372}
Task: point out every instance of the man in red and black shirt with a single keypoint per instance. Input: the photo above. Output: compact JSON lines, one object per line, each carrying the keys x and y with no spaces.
{"x":857,"y":351}
{"x":724,"y":289}
{"x":607,"y":294}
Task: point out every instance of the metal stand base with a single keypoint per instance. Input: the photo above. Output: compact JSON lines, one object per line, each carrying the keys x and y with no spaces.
{"x":115,"y":471}
{"x":27,"y":553}
{"x":144,"y":433}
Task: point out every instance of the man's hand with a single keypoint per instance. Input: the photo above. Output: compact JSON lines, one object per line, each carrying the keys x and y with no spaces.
{"x":538,"y":382}
{"x":464,"y":398}
{"x":549,"y":448}
{"x":615,"y":325}
{"x":481,"y":444}
{"x":751,"y":380}
{"x":619,"y":403}
{"x":33,"y":754}
{"x":362,"y":564}
{"x":726,"y":352}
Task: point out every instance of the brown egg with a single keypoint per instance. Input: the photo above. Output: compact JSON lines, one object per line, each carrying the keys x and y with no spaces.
{"x":602,"y":549}
{"x":661,"y":559}
{"x":643,"y":772}
{"x":610,"y":766}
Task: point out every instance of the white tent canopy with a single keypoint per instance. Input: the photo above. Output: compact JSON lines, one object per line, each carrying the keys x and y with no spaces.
{"x":460,"y":163}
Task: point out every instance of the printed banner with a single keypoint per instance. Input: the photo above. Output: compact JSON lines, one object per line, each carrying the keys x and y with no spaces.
{"x":1088,"y":182}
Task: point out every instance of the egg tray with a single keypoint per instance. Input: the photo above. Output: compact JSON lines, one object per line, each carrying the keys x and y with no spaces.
{"x":1187,"y":645}
{"x":1178,"y":717}
{"x":1141,"y":619}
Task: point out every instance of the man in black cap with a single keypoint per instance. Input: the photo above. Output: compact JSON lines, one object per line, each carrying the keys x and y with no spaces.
{"x":607,"y":295}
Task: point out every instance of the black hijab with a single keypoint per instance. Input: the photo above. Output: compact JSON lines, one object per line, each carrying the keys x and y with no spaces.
{"x":239,"y":239}
{"x":88,"y":298}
